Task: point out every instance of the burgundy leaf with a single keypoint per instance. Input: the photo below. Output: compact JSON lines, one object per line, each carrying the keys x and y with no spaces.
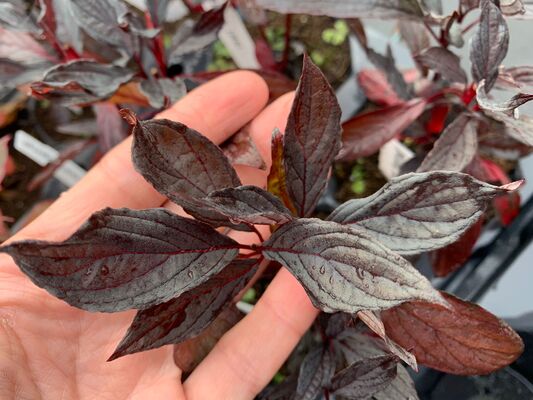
{"x":463,"y":339}
{"x":377,"y":89}
{"x":250,"y":205}
{"x":276,"y":181}
{"x":365,"y":378}
{"x":450,"y":258}
{"x":163,"y":92}
{"x":373,"y":321}
{"x":364,"y":134}
{"x":395,"y":78}
{"x":189,"y":354}
{"x":343,"y":269}
{"x":192,"y":37}
{"x":47,"y":15}
{"x":316,"y":372}
{"x":489,"y":44}
{"x":264,"y":55}
{"x":178,"y":161}
{"x":81,"y":82}
{"x":111,"y":127}
{"x":312,"y":138}
{"x":357,"y":347}
{"x":507,"y":207}
{"x":240,"y":149}
{"x":415,"y":213}
{"x":443,"y":62}
{"x":455,"y":148}
{"x":188,"y":315}
{"x":508,"y":106}
{"x":385,"y":9}
{"x":122,"y":259}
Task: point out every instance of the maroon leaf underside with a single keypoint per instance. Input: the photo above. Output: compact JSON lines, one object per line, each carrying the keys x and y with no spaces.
{"x":188,"y":315}
{"x":315,"y":374}
{"x":122,"y":259}
{"x":364,"y":134}
{"x":312,"y":138}
{"x":463,"y":339}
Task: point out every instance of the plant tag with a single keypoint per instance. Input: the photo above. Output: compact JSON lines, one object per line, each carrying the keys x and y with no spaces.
{"x":69,"y":173}
{"x":237,"y":40}
{"x":392,"y":156}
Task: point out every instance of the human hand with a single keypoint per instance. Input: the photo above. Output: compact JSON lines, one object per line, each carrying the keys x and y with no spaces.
{"x":50,"y":350}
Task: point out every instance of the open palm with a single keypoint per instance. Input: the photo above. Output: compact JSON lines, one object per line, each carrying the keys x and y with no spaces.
{"x":50,"y":350}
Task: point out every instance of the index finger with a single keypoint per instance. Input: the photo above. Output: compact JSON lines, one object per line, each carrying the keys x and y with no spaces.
{"x":211,"y":109}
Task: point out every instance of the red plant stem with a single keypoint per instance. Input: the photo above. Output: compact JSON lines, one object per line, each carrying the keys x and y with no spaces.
{"x":286,"y":50}
{"x":432,"y":32}
{"x":157,"y":45}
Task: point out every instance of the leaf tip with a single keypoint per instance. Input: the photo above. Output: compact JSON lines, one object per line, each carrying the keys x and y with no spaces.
{"x":129,"y":116}
{"x":511,"y":187}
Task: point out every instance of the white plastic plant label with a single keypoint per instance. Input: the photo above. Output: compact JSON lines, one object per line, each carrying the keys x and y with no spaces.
{"x":392,"y":156}
{"x":69,"y":173}
{"x":237,"y":40}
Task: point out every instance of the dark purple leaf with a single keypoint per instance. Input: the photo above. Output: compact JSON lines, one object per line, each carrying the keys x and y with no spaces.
{"x":240,"y":149}
{"x":81,"y":82}
{"x":282,"y":391}
{"x":111,"y":127}
{"x":188,"y":315}
{"x":489,"y":45}
{"x":443,"y":62}
{"x":163,"y":92}
{"x":395,"y":78}
{"x":312,"y":138}
{"x":316,"y":372}
{"x":455,"y":148}
{"x":193,"y":37}
{"x":420,"y":212}
{"x":385,"y":9}
{"x":122,"y":259}
{"x":189,"y":354}
{"x":356,"y":347}
{"x":373,"y":321}
{"x":365,"y":378}
{"x":250,"y":205}
{"x":461,"y":339}
{"x":99,"y":18}
{"x":343,"y":269}
{"x":508,"y":106}
{"x":178,"y":161}
{"x":364,"y":134}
